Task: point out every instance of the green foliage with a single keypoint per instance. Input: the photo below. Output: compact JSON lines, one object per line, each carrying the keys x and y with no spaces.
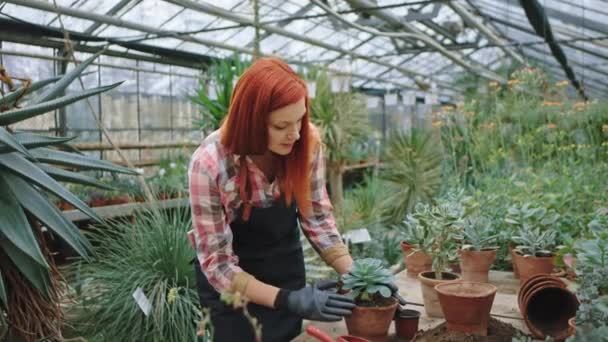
{"x":28,"y":174}
{"x":221,"y":76}
{"x":412,"y":172}
{"x":341,"y":117}
{"x":535,"y":242}
{"x":367,"y":279}
{"x":152,"y":254}
{"x":362,"y":206}
{"x":477,"y":234}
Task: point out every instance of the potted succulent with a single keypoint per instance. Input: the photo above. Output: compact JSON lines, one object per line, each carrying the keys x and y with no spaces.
{"x":366,"y":284}
{"x":477,"y":253}
{"x":415,"y":233}
{"x":534,"y":252}
{"x":444,"y":222}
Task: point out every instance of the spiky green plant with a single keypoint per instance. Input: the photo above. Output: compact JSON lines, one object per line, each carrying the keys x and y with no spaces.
{"x":413,"y":171}
{"x":30,"y":167}
{"x":221,"y":76}
{"x":152,"y":254}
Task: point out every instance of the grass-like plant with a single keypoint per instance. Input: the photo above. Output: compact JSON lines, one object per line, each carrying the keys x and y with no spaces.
{"x":153,"y":254}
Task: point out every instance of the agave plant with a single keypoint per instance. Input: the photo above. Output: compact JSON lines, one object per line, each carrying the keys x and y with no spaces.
{"x":152,"y":254}
{"x":30,"y":167}
{"x":223,"y":75}
{"x":413,"y":171}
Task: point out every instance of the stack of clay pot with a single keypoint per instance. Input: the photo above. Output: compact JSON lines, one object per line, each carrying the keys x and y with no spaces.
{"x":546,"y":306}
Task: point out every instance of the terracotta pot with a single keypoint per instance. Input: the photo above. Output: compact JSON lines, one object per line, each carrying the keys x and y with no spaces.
{"x":324,"y":337}
{"x":97,"y":202}
{"x":572,"y":326}
{"x":513,"y":256}
{"x":406,"y":323}
{"x":121,"y":199}
{"x":475,"y":265}
{"x":528,"y":266}
{"x":466,"y":305}
{"x":429,"y":295}
{"x":546,"y":306}
{"x":415,"y":262}
{"x":371,"y":322}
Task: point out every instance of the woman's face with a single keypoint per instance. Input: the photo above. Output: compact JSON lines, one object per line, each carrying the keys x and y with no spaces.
{"x":284,"y":127}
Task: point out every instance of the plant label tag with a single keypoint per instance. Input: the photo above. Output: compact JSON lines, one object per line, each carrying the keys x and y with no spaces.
{"x":359,"y":236}
{"x":142,"y":301}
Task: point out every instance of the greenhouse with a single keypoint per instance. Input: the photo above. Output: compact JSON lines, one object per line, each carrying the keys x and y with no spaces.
{"x":264,"y":170}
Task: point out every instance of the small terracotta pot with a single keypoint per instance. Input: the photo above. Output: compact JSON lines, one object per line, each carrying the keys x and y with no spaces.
{"x":415,"y":262}
{"x":529,"y":266}
{"x":467,"y":305}
{"x":371,"y":322}
{"x":475,"y":265}
{"x":572,"y":326}
{"x":429,"y":295}
{"x":406,"y":323}
{"x":121,"y":199}
{"x":546,"y":306}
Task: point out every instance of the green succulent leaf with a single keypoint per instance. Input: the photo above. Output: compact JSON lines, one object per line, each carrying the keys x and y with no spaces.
{"x":33,"y":87}
{"x":73,"y":177}
{"x":37,"y":274}
{"x":47,"y":213}
{"x":12,"y":116}
{"x":3,"y":300}
{"x":48,"y":155}
{"x":32,"y":140}
{"x":65,"y":81}
{"x":9,"y":140}
{"x":30,"y":171}
{"x":15,"y":227}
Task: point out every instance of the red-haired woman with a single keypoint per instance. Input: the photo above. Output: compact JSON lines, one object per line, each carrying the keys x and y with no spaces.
{"x":251,"y":183}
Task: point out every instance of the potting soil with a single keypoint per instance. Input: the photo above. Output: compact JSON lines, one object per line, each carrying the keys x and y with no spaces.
{"x":498,"y":331}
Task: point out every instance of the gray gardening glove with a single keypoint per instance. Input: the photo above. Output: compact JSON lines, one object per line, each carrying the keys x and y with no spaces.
{"x":395,"y":293}
{"x":315,"y":303}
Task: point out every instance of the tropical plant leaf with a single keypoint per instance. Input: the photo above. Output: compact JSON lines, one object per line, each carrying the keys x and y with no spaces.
{"x":16,"y":115}
{"x":47,"y":213}
{"x":15,"y":226}
{"x":3,"y":300}
{"x":73,"y":177}
{"x":48,"y":155}
{"x":30,"y":171}
{"x":32,"y":140}
{"x":10,"y":142}
{"x":12,"y":96}
{"x":33,"y":271}
{"x":64,"y":82}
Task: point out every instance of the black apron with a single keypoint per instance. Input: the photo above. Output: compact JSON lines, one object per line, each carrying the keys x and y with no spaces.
{"x":269,"y":248}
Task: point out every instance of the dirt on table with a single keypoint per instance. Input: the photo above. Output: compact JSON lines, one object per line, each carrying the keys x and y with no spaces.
{"x":498,"y":331}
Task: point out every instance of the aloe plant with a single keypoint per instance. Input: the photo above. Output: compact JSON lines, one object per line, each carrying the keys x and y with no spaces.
{"x":222,"y":75}
{"x":535,"y":242}
{"x":477,"y":234}
{"x":31,"y":167}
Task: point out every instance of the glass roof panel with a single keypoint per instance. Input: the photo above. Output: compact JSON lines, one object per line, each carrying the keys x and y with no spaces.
{"x":28,"y":14}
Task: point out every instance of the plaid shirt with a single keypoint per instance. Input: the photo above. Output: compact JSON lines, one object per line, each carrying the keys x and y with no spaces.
{"x":215,"y":200}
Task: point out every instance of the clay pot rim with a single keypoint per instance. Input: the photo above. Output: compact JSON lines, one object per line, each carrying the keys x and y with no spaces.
{"x":444,"y":289}
{"x":528,"y":256}
{"x":473,"y":251}
{"x":544,"y":284}
{"x":422,"y":275}
{"x":379,"y":308}
{"x":407,"y":313}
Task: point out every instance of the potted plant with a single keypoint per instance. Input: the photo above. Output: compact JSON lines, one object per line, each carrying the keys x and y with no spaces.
{"x":444,"y":222}
{"x":477,"y":253}
{"x":366,"y":284}
{"x":406,"y":323}
{"x":415,"y":233}
{"x":534,"y":252}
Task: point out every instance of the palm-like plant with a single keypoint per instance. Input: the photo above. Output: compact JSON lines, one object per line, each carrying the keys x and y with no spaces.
{"x":222,"y":74}
{"x":152,"y":254}
{"x":342,"y":119}
{"x":413,"y":171}
{"x":30,"y":167}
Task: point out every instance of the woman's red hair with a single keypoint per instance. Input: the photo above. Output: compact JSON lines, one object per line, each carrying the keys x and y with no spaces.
{"x":269,"y":84}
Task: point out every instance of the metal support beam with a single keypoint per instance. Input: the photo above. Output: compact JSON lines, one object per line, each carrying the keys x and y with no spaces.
{"x":41,"y":5}
{"x":222,"y":13}
{"x":389,"y":17}
{"x":471,"y":20}
{"x":111,"y":12}
{"x":301,"y":11}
